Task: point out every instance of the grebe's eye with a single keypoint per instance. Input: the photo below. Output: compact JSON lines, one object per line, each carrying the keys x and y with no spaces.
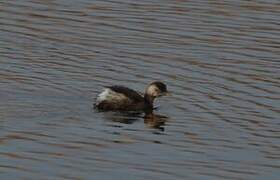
{"x":158,"y":91}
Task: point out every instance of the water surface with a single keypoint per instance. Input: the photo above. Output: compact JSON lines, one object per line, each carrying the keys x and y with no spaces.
{"x":219,"y":59}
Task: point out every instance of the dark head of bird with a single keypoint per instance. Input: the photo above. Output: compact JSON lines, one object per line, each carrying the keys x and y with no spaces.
{"x":154,"y":90}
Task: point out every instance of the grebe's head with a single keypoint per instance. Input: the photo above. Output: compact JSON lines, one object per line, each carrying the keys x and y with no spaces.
{"x":156,"y":89}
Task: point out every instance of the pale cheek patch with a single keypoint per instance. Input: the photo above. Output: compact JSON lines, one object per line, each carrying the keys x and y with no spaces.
{"x":152,"y":90}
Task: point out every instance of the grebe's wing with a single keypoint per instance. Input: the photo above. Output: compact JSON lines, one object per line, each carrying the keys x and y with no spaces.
{"x":129,"y":93}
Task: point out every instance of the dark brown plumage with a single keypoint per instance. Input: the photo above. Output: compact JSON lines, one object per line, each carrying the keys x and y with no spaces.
{"x":125,"y":99}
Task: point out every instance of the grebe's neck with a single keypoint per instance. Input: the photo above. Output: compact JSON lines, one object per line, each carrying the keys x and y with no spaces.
{"x":149,"y":100}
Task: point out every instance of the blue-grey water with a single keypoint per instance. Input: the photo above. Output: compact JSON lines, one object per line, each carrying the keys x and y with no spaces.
{"x":220,"y":60}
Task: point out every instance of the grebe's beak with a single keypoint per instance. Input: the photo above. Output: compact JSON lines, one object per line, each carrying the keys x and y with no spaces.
{"x":167,"y":93}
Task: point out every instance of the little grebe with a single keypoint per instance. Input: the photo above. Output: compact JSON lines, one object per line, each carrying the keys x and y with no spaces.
{"x":121,"y":98}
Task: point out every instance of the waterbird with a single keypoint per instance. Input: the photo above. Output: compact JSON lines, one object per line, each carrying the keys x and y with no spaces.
{"x":121,"y":98}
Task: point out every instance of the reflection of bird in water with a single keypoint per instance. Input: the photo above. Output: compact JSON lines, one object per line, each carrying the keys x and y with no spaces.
{"x":124,"y":117}
{"x":152,"y":120}
{"x":155,"y":120}
{"x":119,"y":98}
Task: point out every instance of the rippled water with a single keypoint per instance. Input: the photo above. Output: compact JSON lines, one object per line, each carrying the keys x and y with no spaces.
{"x":219,"y":59}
